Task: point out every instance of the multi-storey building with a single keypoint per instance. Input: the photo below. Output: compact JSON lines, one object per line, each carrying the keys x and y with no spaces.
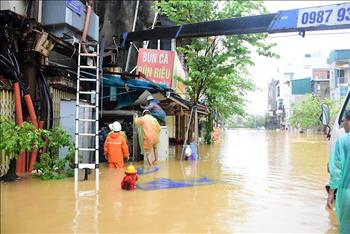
{"x":339,"y":62}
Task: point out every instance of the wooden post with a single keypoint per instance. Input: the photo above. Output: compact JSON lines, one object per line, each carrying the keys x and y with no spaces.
{"x":134,"y":139}
{"x":196,"y":126}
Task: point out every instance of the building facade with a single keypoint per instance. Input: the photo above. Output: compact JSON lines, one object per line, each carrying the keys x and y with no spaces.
{"x":271,"y":119}
{"x":309,"y":75}
{"x":339,"y":63}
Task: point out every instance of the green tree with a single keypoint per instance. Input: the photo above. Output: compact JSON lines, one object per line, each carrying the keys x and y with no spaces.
{"x":306,"y":114}
{"x":248,"y":121}
{"x":217,"y":66}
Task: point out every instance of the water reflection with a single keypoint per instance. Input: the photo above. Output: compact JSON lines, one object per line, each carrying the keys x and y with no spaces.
{"x":265,"y":182}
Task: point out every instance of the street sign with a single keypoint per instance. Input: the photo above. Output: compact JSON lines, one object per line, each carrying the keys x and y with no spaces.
{"x":75,"y":6}
{"x":327,"y":15}
{"x":156,"y":65}
{"x":313,"y":18}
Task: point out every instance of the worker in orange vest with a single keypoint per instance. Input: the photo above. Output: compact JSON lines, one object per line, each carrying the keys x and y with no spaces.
{"x":115,"y":147}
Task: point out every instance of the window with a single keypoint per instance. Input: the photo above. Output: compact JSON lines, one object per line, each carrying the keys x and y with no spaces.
{"x":340,"y":72}
{"x":278,"y":91}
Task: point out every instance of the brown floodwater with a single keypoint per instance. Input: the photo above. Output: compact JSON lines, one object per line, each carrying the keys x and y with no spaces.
{"x":260,"y":181}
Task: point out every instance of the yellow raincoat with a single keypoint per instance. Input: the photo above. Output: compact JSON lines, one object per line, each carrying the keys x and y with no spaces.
{"x":150,"y":131}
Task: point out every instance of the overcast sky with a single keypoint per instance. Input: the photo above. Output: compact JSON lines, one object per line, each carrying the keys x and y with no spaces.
{"x":291,"y":48}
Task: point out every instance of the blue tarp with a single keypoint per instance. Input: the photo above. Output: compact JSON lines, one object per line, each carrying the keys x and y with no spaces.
{"x":142,"y":170}
{"x":164,"y":183}
{"x":136,"y":88}
{"x":116,"y":80}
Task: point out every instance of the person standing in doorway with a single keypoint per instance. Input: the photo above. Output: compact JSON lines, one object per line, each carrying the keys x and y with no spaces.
{"x":115,"y":147}
{"x":339,"y":168}
{"x":150,"y":131}
{"x":156,"y":111}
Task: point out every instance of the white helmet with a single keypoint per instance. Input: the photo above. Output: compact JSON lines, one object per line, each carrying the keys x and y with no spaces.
{"x":115,"y":126}
{"x":145,"y":112}
{"x":150,"y":97}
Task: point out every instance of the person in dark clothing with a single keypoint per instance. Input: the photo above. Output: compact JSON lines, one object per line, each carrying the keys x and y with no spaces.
{"x":156,"y":111}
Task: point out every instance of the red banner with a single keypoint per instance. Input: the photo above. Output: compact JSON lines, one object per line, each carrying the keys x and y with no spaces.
{"x":156,"y":65}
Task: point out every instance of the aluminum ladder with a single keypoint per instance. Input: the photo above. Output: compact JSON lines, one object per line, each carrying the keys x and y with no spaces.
{"x":93,"y":81}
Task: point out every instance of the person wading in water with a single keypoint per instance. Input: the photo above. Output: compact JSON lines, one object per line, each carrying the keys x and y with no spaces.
{"x":150,"y":132}
{"x":339,"y":179}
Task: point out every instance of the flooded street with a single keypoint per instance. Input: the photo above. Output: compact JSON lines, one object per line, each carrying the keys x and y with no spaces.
{"x":256,"y":181}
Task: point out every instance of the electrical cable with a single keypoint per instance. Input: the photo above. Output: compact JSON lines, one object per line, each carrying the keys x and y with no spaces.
{"x":49,"y":101}
{"x":6,"y":59}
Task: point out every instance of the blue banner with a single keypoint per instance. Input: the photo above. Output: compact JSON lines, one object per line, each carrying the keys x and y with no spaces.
{"x":313,"y":18}
{"x":75,"y":5}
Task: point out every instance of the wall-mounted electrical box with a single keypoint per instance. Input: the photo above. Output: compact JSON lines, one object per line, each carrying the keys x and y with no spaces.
{"x":65,"y":18}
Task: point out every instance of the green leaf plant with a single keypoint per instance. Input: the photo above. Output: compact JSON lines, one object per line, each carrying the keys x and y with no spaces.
{"x":16,"y":139}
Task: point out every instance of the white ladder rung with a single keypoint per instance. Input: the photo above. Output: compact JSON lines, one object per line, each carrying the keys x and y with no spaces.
{"x":87,"y":106}
{"x":87,"y":79}
{"x":87,"y":120}
{"x":88,"y":67}
{"x":94,"y":54}
{"x":86,"y":134}
{"x":89,"y":42}
{"x":86,"y":165}
{"x":87,"y":92}
{"x":87,"y":149}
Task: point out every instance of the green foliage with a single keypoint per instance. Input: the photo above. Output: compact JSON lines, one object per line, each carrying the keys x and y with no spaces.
{"x":51,"y":167}
{"x":249,"y":121}
{"x":217,"y":66}
{"x":208,"y":129}
{"x":306,"y":114}
{"x":16,"y":139}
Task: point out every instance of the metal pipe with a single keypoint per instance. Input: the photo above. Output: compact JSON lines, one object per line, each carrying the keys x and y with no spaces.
{"x":30,"y":107}
{"x":187,"y":131}
{"x":34,"y":120}
{"x":34,"y":152}
{"x":86,"y":24}
{"x":20,"y":164}
{"x":133,"y":29}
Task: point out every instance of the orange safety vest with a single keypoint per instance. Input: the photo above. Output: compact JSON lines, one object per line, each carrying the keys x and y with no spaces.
{"x":116,"y":148}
